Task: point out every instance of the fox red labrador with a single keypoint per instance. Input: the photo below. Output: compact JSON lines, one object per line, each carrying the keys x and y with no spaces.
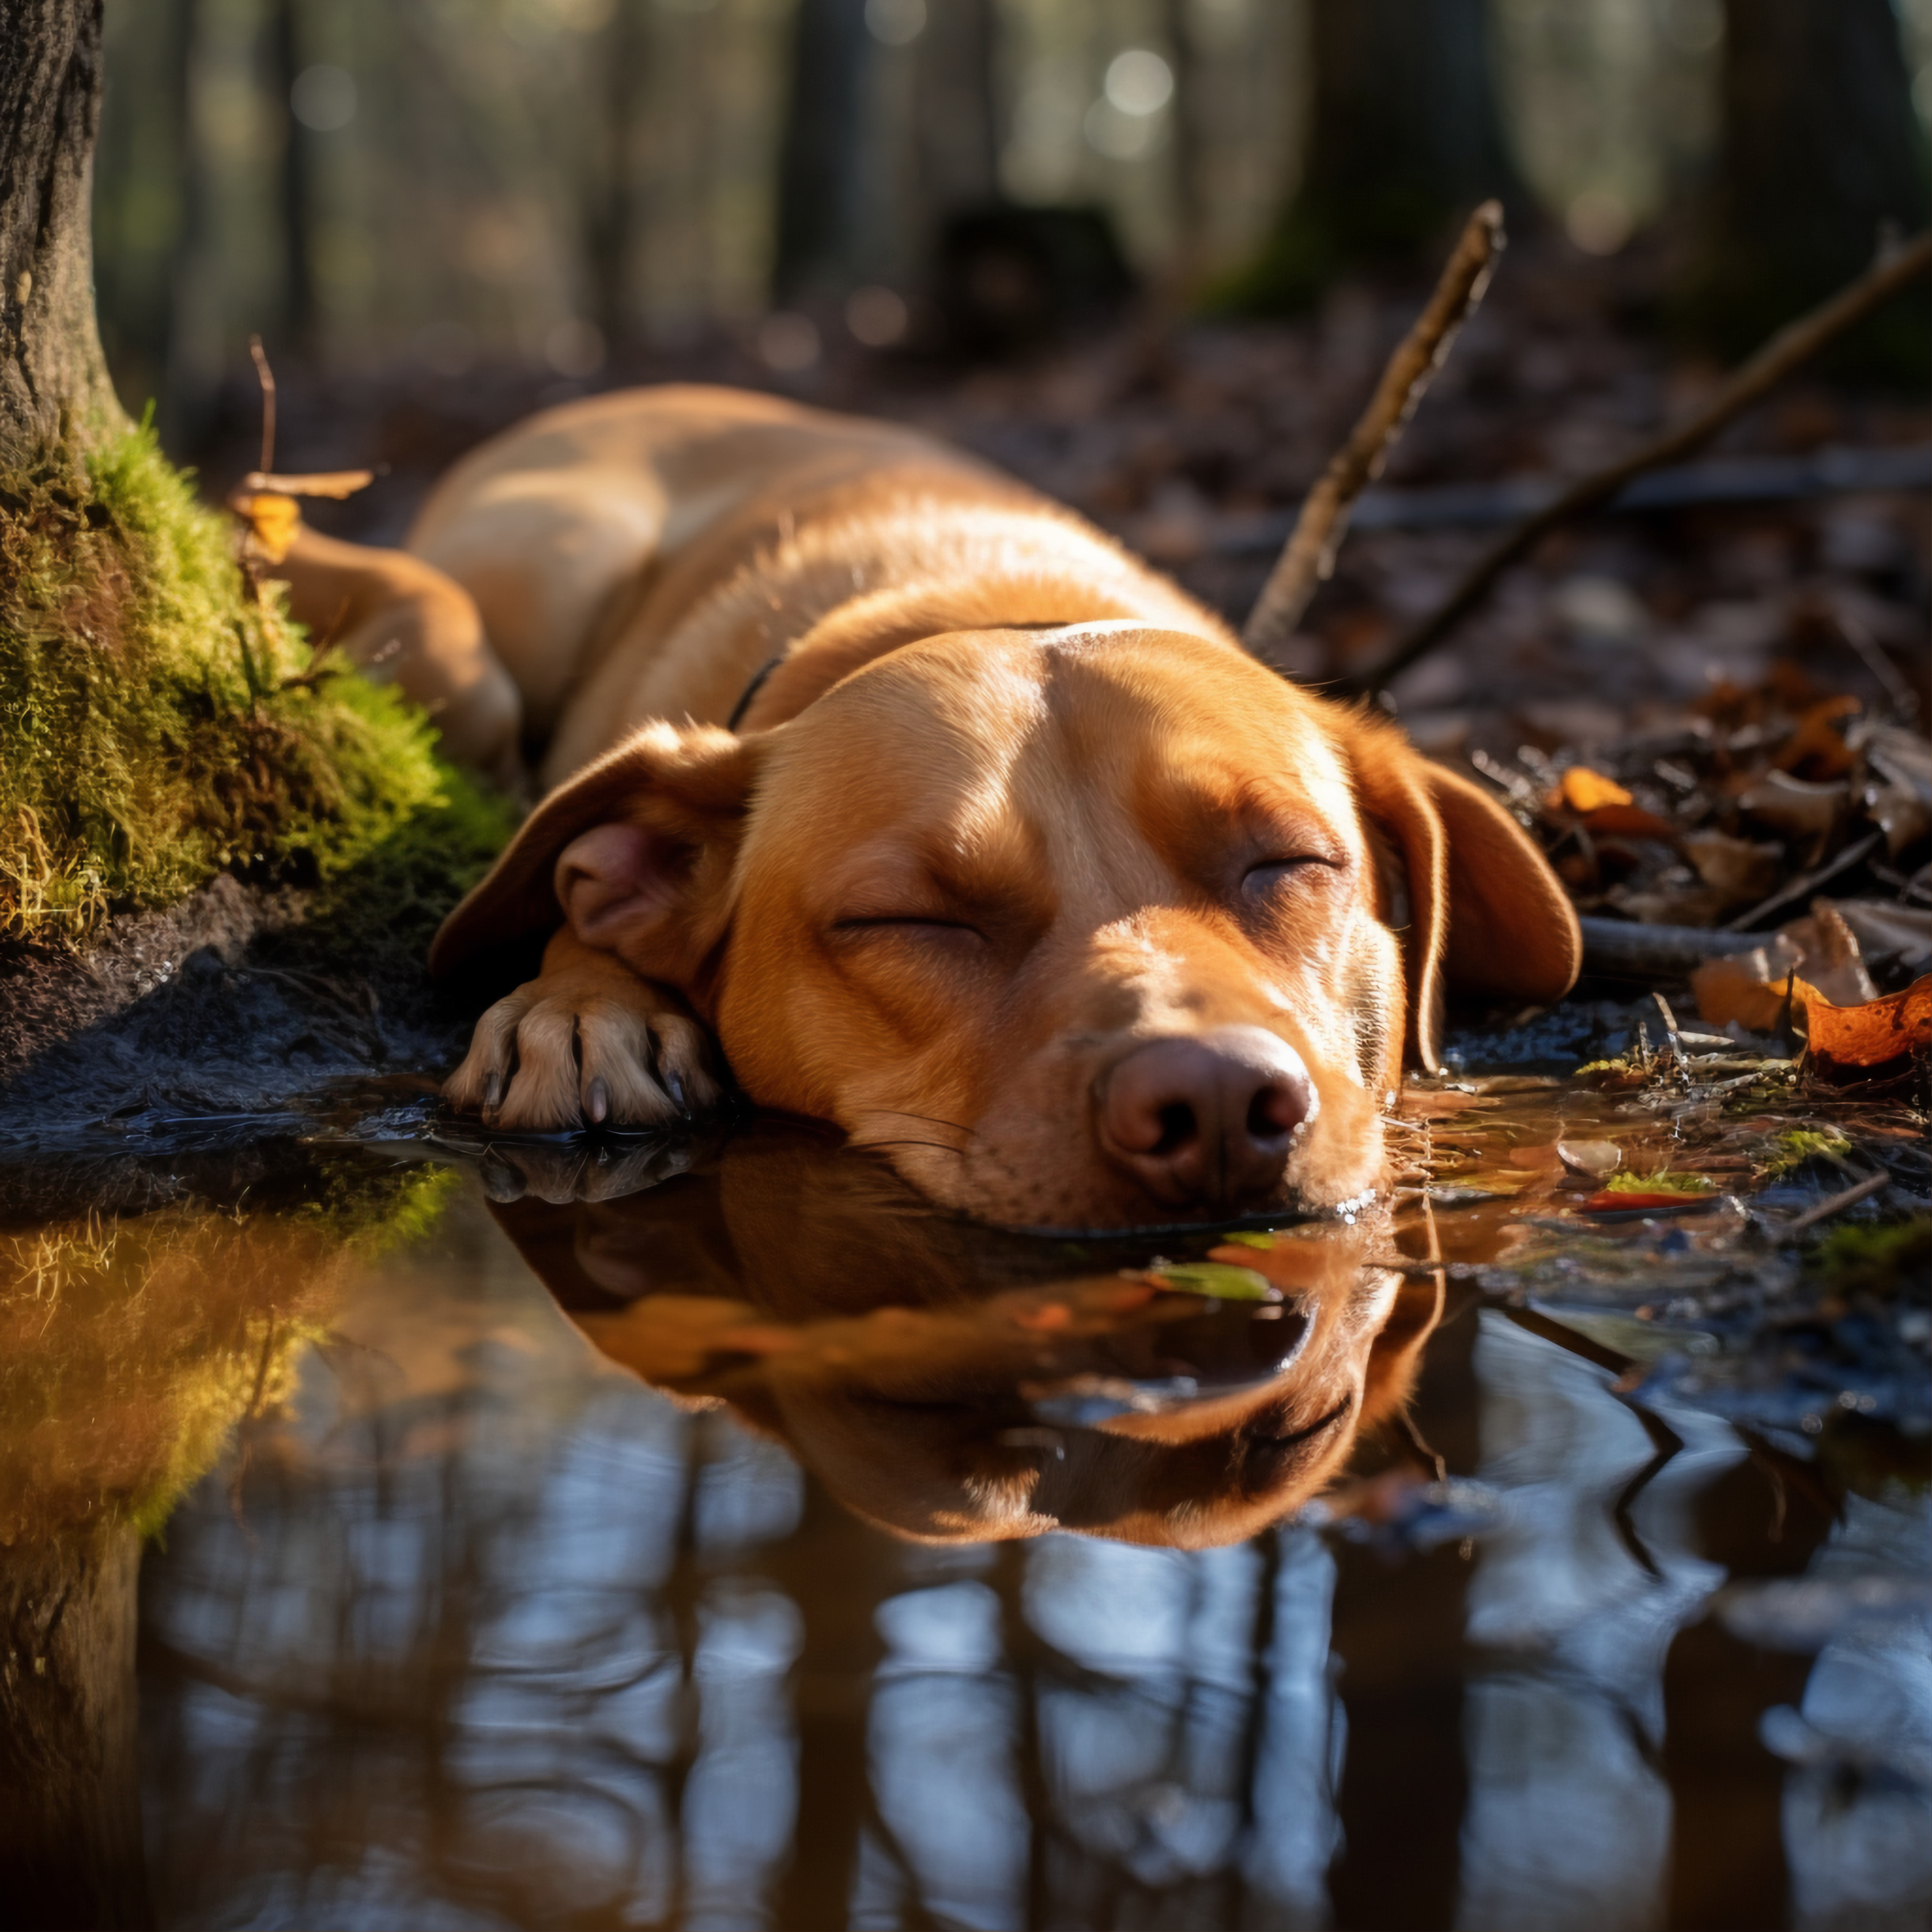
{"x":931,"y":810}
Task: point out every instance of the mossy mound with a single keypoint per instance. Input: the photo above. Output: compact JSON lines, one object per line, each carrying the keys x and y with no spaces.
{"x":160,"y":723}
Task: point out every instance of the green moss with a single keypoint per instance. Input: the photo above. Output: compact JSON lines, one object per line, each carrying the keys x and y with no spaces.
{"x":1662,"y":1182}
{"x":375,"y":917}
{"x":1881,"y":1259}
{"x":1790,"y":1151}
{"x":159,"y":723}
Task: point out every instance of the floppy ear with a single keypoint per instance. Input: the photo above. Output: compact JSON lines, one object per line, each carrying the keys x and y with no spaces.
{"x":634,"y":854}
{"x":1487,"y":917}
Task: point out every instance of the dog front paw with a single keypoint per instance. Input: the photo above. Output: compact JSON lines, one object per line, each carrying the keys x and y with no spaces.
{"x":588,"y":1046}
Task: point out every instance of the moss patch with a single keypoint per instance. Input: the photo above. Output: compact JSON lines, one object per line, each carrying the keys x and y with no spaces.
{"x":1662,"y":1182}
{"x":158,"y":724}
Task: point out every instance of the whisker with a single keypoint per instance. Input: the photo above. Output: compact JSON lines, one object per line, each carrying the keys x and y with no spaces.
{"x":940,"y":1144}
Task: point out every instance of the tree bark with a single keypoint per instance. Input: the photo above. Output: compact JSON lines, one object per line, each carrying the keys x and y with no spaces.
{"x":1821,"y":149}
{"x":1406,"y":138}
{"x":53,"y":385}
{"x":824,"y":146}
{"x":295,"y":186}
{"x":70,"y":1820}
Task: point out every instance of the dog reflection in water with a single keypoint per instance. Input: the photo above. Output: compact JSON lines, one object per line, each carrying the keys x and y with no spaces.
{"x":953,"y":1384}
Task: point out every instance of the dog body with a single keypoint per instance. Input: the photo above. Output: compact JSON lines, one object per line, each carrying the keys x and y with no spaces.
{"x":974,"y":835}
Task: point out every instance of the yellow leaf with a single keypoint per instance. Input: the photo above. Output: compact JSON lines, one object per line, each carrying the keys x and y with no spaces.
{"x":273,"y":519}
{"x":1583,"y":790}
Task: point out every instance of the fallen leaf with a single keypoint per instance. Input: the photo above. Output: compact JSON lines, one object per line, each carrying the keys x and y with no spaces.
{"x":1828,"y":949}
{"x":1874,"y":1032}
{"x":1609,"y":1203}
{"x":336,"y":483}
{"x":1628,"y":821}
{"x":272,"y":519}
{"x":1793,"y":806}
{"x":1742,"y":870}
{"x":1583,"y":790}
{"x":1220,"y":1281}
{"x":1816,"y":748}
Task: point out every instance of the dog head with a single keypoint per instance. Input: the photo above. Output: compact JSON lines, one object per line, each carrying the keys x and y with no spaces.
{"x":956,"y":1385}
{"x":1095,"y":927}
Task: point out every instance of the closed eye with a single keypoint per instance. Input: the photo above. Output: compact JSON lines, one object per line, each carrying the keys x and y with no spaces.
{"x":1262,"y":880}
{"x":914,"y":922}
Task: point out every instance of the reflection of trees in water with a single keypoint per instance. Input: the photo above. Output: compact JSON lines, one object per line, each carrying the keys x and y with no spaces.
{"x":544,"y":1647}
{"x":495,"y":1635}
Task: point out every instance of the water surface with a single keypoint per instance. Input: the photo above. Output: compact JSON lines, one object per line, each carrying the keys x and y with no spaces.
{"x":709,"y":1536}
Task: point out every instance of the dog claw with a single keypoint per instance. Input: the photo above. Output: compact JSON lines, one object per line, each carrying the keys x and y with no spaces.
{"x":493,"y":1093}
{"x":597,"y":1101}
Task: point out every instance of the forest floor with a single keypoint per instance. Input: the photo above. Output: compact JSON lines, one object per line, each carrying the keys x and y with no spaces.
{"x":1711,"y":712}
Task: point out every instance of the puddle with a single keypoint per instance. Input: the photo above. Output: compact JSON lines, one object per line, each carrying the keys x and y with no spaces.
{"x":399,"y":1534}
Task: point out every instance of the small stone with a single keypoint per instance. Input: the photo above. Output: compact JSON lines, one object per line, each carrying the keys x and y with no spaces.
{"x":1595,"y":1158}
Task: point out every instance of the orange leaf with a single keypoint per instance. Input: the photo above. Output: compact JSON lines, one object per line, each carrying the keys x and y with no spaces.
{"x":1880,"y":1030}
{"x":1727,"y":988}
{"x":1583,"y":790}
{"x":272,"y":519}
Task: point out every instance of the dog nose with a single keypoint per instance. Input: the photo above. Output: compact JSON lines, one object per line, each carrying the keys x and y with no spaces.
{"x":1206,"y":1118}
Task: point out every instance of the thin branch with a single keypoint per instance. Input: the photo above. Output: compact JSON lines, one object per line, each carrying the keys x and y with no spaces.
{"x":265,"y":377}
{"x":1794,"y":345}
{"x":1308,"y":557}
{"x":1837,"y":1204}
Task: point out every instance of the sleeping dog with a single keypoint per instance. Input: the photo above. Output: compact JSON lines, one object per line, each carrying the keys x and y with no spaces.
{"x":915,"y":802}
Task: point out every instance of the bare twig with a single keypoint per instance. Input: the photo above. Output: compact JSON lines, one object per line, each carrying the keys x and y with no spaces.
{"x":1836,"y":1204}
{"x":1804,"y":884}
{"x":265,"y":377}
{"x":1308,"y":557}
{"x":1793,"y":345}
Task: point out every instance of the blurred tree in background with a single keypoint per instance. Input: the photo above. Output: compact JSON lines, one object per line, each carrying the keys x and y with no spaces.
{"x":1822,"y":154}
{"x":1405,"y":138}
{"x":552,"y":184}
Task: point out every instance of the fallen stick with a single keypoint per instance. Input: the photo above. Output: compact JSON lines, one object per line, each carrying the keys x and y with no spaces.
{"x":1624,"y":950}
{"x":1837,"y":1204}
{"x":1793,"y":345}
{"x":1309,"y":556}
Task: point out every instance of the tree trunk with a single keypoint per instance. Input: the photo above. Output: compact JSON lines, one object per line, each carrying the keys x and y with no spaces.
{"x":1821,"y":149}
{"x":610,"y":197}
{"x":70,"y":1818}
{"x":54,"y":386}
{"x":1406,"y":138}
{"x":824,"y":146}
{"x":295,"y":187}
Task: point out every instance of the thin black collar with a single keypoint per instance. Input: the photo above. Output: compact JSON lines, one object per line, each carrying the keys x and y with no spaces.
{"x":751,"y":690}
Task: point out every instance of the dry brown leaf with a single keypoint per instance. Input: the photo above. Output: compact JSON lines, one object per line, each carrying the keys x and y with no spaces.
{"x":336,"y":483}
{"x":1829,"y":951}
{"x":1628,"y":821}
{"x":1816,"y":749}
{"x":1793,"y":806}
{"x":1742,"y":871}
